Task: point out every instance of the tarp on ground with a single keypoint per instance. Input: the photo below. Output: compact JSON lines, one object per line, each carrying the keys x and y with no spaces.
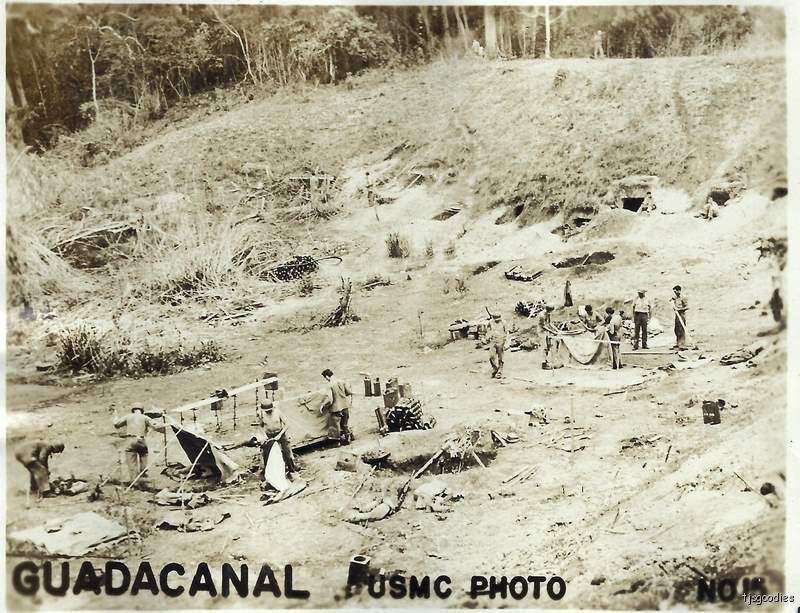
{"x":304,"y":422}
{"x":208,"y":454}
{"x":73,"y":536}
{"x":584,"y":349}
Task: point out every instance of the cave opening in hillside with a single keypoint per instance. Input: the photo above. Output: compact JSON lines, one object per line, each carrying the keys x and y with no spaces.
{"x":720,"y":196}
{"x":580,"y":221}
{"x":779,"y":192}
{"x":447,"y":213}
{"x":632,"y":204}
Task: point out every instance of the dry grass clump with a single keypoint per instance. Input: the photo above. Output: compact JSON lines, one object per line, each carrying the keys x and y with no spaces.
{"x":429,"y":252}
{"x":34,"y":271}
{"x":87,"y":348}
{"x":397,"y":245}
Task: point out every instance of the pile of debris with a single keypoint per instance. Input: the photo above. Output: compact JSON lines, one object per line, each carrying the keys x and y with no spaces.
{"x":530,"y":309}
{"x":654,"y":328}
{"x":463,"y":328}
{"x":342,"y":314}
{"x":745,"y":354}
{"x":298,"y":266}
{"x":513,"y":275}
{"x":460,"y":449}
{"x":407,"y":415}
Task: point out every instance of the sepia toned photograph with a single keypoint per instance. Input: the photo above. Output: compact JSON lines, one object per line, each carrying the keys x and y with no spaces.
{"x":396,"y":306}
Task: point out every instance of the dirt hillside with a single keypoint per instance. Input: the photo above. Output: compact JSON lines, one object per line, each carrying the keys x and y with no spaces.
{"x":511,"y":142}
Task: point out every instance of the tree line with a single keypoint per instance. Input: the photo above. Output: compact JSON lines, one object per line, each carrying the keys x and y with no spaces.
{"x":66,"y":65}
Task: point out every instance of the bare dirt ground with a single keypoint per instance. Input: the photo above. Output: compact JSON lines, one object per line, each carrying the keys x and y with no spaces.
{"x":629,"y":519}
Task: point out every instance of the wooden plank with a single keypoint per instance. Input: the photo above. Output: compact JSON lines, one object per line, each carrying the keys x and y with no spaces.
{"x":234,"y":392}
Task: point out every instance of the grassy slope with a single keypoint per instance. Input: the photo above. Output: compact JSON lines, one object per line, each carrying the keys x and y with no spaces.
{"x":501,"y":135}
{"x":498,"y":125}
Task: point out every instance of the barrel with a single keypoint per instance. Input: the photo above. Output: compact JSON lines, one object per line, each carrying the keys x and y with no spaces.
{"x":358,"y":573}
{"x":391,"y":397}
{"x":367,"y":386}
{"x":376,"y":386}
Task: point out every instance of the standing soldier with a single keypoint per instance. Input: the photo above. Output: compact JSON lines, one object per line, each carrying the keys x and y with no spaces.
{"x":613,"y":324}
{"x":598,"y":45}
{"x":567,"y":294}
{"x":642,"y":309}
{"x":35,"y":456}
{"x":136,"y":425}
{"x":497,"y":345}
{"x":339,"y":402}
{"x":546,"y":331}
{"x":370,"y":191}
{"x":679,"y":305}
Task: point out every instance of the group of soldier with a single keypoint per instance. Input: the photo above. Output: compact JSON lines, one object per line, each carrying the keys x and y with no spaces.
{"x":611,"y":324}
{"x":35,"y":456}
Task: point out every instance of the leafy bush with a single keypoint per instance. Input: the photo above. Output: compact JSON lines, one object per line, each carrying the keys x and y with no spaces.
{"x":109,"y":353}
{"x":397,"y":245}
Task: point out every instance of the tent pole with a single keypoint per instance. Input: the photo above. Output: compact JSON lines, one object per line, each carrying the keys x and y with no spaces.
{"x":191,"y":470}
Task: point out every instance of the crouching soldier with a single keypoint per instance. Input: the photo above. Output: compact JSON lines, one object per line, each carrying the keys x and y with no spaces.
{"x":35,"y":457}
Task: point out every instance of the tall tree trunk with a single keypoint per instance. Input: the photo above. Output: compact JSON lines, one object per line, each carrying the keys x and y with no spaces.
{"x":499,"y":20}
{"x":489,"y":32}
{"x":534,"y":33}
{"x":547,"y":32}
{"x":423,"y":9}
{"x":508,"y":45}
{"x":446,"y":22}
{"x":13,"y":79}
{"x":462,"y":26}
{"x":92,"y":60}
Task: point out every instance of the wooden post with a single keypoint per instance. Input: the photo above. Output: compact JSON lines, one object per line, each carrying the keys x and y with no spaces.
{"x":164,"y":419}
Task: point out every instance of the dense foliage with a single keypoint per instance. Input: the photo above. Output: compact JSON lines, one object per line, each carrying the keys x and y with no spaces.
{"x":70,"y":64}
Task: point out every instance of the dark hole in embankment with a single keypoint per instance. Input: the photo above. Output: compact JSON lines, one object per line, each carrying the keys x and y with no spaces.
{"x":632,"y":204}
{"x":484,"y":267}
{"x":719,"y":196}
{"x":598,"y":257}
{"x":779,"y":192}
{"x":511,"y":213}
{"x":580,"y":221}
{"x":447,"y":214}
{"x":442,"y":465}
